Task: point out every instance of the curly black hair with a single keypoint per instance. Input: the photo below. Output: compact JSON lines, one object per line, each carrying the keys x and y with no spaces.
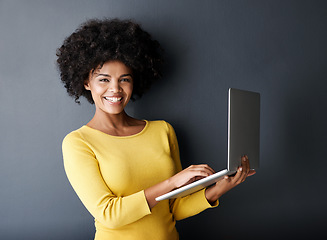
{"x":98,"y":41}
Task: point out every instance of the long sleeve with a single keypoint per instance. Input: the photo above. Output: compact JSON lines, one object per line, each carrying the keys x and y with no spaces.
{"x":82,"y":169}
{"x":192,"y":204}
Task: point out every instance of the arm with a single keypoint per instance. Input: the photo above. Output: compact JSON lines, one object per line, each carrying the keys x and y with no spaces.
{"x":188,"y":175}
{"x":83,"y":172}
{"x":191,"y":204}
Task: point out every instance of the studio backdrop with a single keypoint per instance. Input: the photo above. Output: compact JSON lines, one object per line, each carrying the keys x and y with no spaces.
{"x":274,"y":47}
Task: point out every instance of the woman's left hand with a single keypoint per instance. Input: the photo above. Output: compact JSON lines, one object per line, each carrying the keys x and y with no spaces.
{"x":227,"y":183}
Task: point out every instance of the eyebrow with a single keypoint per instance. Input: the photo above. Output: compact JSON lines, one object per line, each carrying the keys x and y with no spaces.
{"x":107,"y":75}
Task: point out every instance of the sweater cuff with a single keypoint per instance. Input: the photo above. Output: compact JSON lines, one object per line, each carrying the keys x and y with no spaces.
{"x":205,"y":201}
{"x":138,"y":203}
{"x":199,"y":202}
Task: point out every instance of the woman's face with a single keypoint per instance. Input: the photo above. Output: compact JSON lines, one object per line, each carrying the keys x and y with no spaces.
{"x":111,"y":87}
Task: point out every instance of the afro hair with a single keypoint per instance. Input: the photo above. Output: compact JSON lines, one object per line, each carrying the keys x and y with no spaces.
{"x":98,"y":41}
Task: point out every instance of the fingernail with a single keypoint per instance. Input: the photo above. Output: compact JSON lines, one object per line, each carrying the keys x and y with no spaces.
{"x":241,"y":169}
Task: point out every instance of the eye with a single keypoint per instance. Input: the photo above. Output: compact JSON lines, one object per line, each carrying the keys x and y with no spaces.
{"x":125,"y":80}
{"x":104,"y":80}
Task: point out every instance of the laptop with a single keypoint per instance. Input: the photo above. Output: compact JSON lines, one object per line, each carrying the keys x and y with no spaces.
{"x":243,"y":139}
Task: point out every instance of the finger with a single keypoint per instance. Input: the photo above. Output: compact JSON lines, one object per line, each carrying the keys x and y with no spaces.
{"x":243,"y":177}
{"x":238,"y":176}
{"x":190,"y":174}
{"x":248,"y":164}
{"x":207,"y":167}
{"x":245,"y":164}
{"x":244,"y":169}
{"x":201,"y":173}
{"x":226,"y":178}
{"x":197,"y":173}
{"x":202,"y":167}
{"x":251,"y":172}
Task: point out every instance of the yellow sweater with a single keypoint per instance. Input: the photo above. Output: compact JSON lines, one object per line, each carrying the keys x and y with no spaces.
{"x":109,"y":174}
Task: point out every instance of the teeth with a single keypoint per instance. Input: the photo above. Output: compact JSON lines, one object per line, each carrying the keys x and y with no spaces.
{"x":113,"y":99}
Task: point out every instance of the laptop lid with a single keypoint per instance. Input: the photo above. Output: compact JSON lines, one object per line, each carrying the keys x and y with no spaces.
{"x":243,"y":128}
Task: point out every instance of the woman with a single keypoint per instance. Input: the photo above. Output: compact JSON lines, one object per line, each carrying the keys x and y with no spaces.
{"x":117,"y":164}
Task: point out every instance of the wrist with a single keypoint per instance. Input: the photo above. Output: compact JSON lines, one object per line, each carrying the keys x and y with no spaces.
{"x":170,"y":183}
{"x":156,"y":190}
{"x":212,"y":195}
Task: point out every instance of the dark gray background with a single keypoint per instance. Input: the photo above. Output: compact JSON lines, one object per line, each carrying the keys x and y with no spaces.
{"x":277,"y":48}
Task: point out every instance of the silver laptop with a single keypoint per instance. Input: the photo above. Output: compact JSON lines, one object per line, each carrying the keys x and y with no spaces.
{"x":243,"y":139}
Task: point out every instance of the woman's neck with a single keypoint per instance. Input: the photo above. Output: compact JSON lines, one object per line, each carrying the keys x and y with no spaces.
{"x":111,"y":121}
{"x":115,"y":124}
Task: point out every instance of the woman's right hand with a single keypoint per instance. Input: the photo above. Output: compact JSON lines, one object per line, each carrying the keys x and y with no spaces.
{"x":186,"y":176}
{"x":191,"y":174}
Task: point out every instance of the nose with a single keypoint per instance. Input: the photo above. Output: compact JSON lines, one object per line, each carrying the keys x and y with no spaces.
{"x":115,"y":87}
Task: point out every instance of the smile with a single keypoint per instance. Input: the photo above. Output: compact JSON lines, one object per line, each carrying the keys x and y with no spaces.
{"x":113,"y":99}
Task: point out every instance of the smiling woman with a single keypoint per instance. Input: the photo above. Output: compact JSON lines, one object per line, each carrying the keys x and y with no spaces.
{"x":117,"y":164}
{"x":111,"y":87}
{"x":96,"y":42}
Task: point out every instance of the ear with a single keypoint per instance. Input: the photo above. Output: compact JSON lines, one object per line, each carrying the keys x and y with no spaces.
{"x":87,"y":85}
{"x":87,"y":81}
